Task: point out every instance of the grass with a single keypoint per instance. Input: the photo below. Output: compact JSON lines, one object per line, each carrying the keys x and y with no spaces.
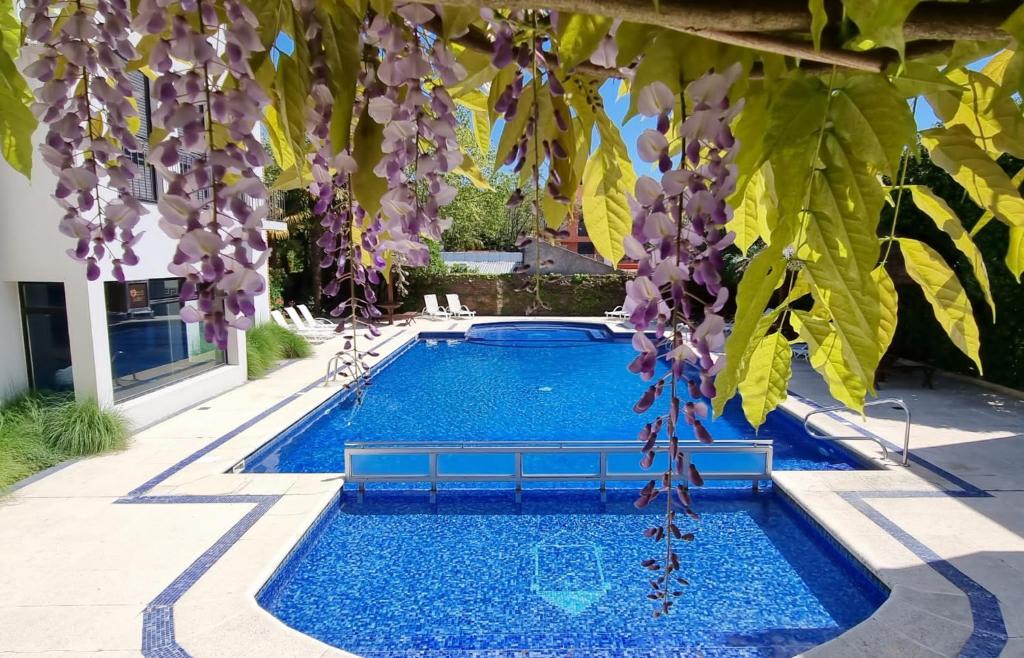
{"x":39,"y":430}
{"x":266,"y":344}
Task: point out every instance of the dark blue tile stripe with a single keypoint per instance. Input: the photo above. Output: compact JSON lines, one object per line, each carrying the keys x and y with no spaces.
{"x":987,"y":640}
{"x":158,"y":639}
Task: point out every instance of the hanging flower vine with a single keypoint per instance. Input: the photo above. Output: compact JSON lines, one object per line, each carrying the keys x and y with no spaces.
{"x":677,"y":239}
{"x":82,"y":53}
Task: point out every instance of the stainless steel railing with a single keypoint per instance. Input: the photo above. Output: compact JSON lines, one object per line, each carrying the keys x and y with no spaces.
{"x":427,"y":461}
{"x":896,"y":402}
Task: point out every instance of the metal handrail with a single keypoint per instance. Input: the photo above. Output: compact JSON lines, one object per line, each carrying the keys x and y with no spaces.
{"x":860,"y":437}
{"x":332,"y":369}
{"x":520,"y":448}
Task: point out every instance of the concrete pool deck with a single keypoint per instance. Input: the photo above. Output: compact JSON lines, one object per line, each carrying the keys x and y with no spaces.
{"x":159,"y":551}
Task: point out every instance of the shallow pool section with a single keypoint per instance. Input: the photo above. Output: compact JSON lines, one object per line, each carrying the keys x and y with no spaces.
{"x":511,"y":382}
{"x":558,"y":574}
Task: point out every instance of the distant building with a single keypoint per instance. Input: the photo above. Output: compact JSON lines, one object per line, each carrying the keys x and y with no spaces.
{"x":483,"y":262}
{"x":576,"y":240}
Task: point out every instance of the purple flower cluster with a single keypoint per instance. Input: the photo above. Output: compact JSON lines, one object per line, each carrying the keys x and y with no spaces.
{"x":209,"y":156}
{"x":84,"y":99}
{"x":674,"y":301}
{"x":536,"y":150}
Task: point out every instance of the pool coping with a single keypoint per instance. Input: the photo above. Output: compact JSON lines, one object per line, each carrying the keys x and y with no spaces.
{"x":163,"y":637}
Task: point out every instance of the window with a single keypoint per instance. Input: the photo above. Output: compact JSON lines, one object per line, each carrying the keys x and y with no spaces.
{"x":144,"y":186}
{"x":581,"y":228}
{"x":585,"y":248}
{"x":150,"y":346}
{"x":47,"y":345}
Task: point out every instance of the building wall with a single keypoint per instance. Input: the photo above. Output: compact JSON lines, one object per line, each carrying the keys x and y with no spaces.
{"x":13,"y":371}
{"x":32,"y":249}
{"x":562,"y":260}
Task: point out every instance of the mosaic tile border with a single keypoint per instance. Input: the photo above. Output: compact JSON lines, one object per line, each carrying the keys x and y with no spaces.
{"x":987,"y":640}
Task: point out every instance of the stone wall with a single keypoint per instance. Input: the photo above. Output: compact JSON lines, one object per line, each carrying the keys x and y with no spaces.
{"x":577,"y":294}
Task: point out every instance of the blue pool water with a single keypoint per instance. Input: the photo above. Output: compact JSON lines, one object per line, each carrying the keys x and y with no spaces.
{"x":558,"y":574}
{"x":536,"y":382}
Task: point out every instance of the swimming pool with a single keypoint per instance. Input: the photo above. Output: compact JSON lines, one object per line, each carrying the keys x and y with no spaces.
{"x":538,"y":381}
{"x":487,"y":574}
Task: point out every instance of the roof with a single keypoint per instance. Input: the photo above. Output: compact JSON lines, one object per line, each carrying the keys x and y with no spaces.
{"x":484,"y":262}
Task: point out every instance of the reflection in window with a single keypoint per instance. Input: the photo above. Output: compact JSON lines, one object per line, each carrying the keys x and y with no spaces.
{"x":47,"y":345}
{"x":150,"y":346}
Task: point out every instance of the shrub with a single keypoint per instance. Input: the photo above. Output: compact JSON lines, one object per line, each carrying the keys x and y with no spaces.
{"x":266,"y":344}
{"x":77,"y":428}
{"x":39,"y":430}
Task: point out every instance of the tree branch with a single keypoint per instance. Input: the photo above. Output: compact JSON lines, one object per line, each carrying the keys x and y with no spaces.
{"x":752,"y":22}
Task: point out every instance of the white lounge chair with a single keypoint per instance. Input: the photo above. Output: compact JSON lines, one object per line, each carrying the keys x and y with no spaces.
{"x":313,"y":321}
{"x":457,"y":308}
{"x":433,"y":310}
{"x":313,"y":328}
{"x":616,"y":313}
{"x":801,"y":351}
{"x":311,"y":336}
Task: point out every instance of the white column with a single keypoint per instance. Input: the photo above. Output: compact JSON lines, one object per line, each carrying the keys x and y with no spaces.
{"x":90,"y":345}
{"x":13,"y":367}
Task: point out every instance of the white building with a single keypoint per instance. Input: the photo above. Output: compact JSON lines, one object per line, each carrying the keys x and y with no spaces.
{"x":120,"y":343}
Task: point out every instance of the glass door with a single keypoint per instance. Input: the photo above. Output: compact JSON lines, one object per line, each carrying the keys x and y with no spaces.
{"x":47,"y":345}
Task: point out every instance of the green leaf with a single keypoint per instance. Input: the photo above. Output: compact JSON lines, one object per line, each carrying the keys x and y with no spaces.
{"x":631,"y":40}
{"x":482,"y":132}
{"x":1015,"y":252}
{"x":455,"y":21}
{"x":993,"y":118}
{"x":946,"y":220}
{"x":768,"y":374}
{"x":579,"y":36}
{"x":889,"y":304}
{"x":880,"y":21}
{"x":819,"y":19}
{"x":471,"y":171}
{"x":17,"y":123}
{"x":781,"y":126}
{"x":757,"y":213}
{"x":764,"y":274}
{"x":291,"y":91}
{"x":1014,"y":25}
{"x":341,"y":53}
{"x":874,"y":121}
{"x":916,"y":79}
{"x":1006,"y":69}
{"x":987,"y":216}
{"x":955,"y":150}
{"x":943,"y":291}
{"x":514,"y":127}
{"x":273,"y":17}
{"x":825,"y":354}
{"x":293,"y":179}
{"x":840,"y":252}
{"x":608,"y":179}
{"x":367,"y":187}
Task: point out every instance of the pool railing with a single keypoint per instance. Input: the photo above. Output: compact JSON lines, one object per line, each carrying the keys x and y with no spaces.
{"x":523,"y":461}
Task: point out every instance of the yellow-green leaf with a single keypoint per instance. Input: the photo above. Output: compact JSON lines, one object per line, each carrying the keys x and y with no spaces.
{"x":341,"y":53}
{"x":1015,"y":252}
{"x":367,"y":186}
{"x":768,"y":372}
{"x":482,"y":132}
{"x":757,"y":212}
{"x":955,"y":150}
{"x":514,"y":127}
{"x":873,"y":121}
{"x":280,"y":146}
{"x":889,"y":303}
{"x":17,"y":123}
{"x":880,"y":21}
{"x":760,"y":279}
{"x":939,"y":211}
{"x":607,"y":180}
{"x":455,"y":21}
{"x":987,"y":216}
{"x":291,"y":91}
{"x":943,"y":291}
{"x":579,"y":36}
{"x":825,"y":354}
{"x":916,"y":78}
{"x":631,"y":40}
{"x":993,"y":118}
{"x":819,"y":19}
{"x":471,"y":171}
